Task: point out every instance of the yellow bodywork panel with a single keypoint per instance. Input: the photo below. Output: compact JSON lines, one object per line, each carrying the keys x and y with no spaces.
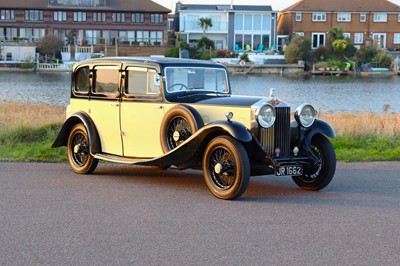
{"x":140,"y":124}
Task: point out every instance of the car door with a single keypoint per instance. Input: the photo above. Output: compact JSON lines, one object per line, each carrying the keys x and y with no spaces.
{"x":105,"y":107}
{"x":142,"y":111}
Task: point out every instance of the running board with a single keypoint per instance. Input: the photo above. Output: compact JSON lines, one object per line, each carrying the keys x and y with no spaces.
{"x":119,"y":159}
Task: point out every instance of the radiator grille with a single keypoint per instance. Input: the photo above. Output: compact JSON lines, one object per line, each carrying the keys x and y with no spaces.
{"x":277,"y":136}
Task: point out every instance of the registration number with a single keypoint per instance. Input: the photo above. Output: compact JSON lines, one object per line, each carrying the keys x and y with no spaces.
{"x":292,"y":170}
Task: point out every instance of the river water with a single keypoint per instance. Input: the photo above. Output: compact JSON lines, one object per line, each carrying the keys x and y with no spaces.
{"x":326,"y":93}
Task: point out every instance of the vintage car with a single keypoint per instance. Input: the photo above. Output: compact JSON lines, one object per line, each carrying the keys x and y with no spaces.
{"x":167,"y":112}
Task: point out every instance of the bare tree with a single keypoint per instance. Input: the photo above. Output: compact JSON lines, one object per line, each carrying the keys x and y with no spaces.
{"x":49,"y":45}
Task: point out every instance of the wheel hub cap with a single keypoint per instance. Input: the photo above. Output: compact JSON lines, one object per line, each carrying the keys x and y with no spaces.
{"x":218,"y":168}
{"x":77,"y":148}
{"x":176,"y":136}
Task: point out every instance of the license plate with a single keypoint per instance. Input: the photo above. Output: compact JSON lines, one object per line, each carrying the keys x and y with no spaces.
{"x":293,"y":170}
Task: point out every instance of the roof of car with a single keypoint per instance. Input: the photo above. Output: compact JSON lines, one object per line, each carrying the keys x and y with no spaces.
{"x":162,"y":61}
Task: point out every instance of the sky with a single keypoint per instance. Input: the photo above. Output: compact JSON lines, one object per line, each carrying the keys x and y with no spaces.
{"x":276,"y":4}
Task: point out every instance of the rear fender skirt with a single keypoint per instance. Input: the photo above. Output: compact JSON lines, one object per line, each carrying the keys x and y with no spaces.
{"x":76,"y":118}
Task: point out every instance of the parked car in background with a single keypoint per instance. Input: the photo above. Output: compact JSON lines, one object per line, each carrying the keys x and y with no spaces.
{"x":178,"y":112}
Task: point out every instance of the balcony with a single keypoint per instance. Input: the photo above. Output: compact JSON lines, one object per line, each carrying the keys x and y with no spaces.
{"x":218,"y":27}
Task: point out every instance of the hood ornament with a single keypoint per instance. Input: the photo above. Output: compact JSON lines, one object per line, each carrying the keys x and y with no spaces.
{"x":271,"y":92}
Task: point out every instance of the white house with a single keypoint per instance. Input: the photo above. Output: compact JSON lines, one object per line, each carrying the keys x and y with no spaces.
{"x":235,"y":27}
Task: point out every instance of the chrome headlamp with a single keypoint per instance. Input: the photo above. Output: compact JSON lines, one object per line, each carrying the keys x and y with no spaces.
{"x":305,"y":115}
{"x":265,"y":115}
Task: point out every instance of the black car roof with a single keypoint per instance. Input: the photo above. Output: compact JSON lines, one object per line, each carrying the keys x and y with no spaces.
{"x":162,"y":61}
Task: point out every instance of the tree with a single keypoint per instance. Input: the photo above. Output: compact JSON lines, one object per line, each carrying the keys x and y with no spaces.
{"x":204,"y":24}
{"x":49,"y":45}
{"x":335,"y":34}
{"x":298,"y":49}
{"x":339,"y":45}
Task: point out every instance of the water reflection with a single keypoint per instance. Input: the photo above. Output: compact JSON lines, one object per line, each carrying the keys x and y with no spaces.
{"x":327,"y":93}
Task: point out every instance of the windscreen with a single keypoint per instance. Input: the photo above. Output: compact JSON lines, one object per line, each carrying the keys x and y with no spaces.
{"x":196,"y":79}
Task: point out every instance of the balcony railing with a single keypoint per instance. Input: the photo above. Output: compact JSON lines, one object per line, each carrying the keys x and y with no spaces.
{"x":217,"y":27}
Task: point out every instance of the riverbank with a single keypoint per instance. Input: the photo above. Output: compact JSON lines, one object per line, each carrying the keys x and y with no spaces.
{"x":28,"y":130}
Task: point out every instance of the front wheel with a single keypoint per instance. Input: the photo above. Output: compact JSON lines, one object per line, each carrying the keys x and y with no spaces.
{"x":226,"y":167}
{"x":79,"y":157}
{"x":318,"y":176}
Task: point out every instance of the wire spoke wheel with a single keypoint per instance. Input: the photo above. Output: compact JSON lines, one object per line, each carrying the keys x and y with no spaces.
{"x":226,"y":167}
{"x":319,"y":175}
{"x":179,"y":123}
{"x":178,"y":131}
{"x":222,"y":168}
{"x":79,"y":157}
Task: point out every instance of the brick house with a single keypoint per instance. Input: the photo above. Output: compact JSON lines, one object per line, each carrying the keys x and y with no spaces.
{"x":88,"y":22}
{"x":363,"y":21}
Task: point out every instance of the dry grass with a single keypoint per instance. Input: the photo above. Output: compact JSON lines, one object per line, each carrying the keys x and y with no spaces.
{"x":364,"y":124}
{"x":13,"y":114}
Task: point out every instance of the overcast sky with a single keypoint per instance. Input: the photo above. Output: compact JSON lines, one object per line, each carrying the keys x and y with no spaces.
{"x":276,"y":4}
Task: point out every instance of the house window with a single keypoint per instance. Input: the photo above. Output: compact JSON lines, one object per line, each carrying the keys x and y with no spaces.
{"x":34,"y":15}
{"x":248,"y":22}
{"x":358,"y":38}
{"x":380,"y":17}
{"x":318,"y":39}
{"x":298,"y":16}
{"x":79,"y":16}
{"x":396,"y":39}
{"x":319,"y":17}
{"x":398,"y":18}
{"x":238,"y":22}
{"x":344,"y":17}
{"x":118,"y":17}
{"x":299,"y":33}
{"x":257,"y":22}
{"x":6,"y":14}
{"x":157,"y":18}
{"x":99,"y":17}
{"x":363,"y":17}
{"x":137,"y":18}
{"x":346,"y":35}
{"x":266,"y":24}
{"x":60,"y":16}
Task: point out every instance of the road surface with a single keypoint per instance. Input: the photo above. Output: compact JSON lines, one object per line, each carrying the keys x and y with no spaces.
{"x":123,"y":215}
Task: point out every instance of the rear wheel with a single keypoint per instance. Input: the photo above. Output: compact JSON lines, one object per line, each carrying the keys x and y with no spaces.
{"x":226,"y":167}
{"x":318,"y":176}
{"x":178,"y":125}
{"x":79,"y":157}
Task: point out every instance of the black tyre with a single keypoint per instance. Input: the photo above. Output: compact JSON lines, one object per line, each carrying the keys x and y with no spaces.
{"x":226,"y":167}
{"x":179,"y":123}
{"x":79,"y":157}
{"x":318,"y":176}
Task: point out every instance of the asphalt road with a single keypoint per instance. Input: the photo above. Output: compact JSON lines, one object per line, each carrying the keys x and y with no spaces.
{"x":123,"y":215}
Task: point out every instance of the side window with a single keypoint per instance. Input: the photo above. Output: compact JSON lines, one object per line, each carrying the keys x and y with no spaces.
{"x":82,"y":80}
{"x":143,"y":81}
{"x":107,"y":80}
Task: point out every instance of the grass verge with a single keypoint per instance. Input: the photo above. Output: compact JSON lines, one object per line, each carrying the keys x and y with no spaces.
{"x":28,"y":130}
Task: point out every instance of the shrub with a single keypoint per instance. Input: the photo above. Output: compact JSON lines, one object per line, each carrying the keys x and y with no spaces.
{"x":173,"y":52}
{"x":381,"y":59}
{"x":245,"y":57}
{"x":226,"y":54}
{"x":350,"y":50}
{"x":298,"y":49}
{"x":321,"y":64}
{"x":206,"y":43}
{"x":321,"y":53}
{"x":339,"y":45}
